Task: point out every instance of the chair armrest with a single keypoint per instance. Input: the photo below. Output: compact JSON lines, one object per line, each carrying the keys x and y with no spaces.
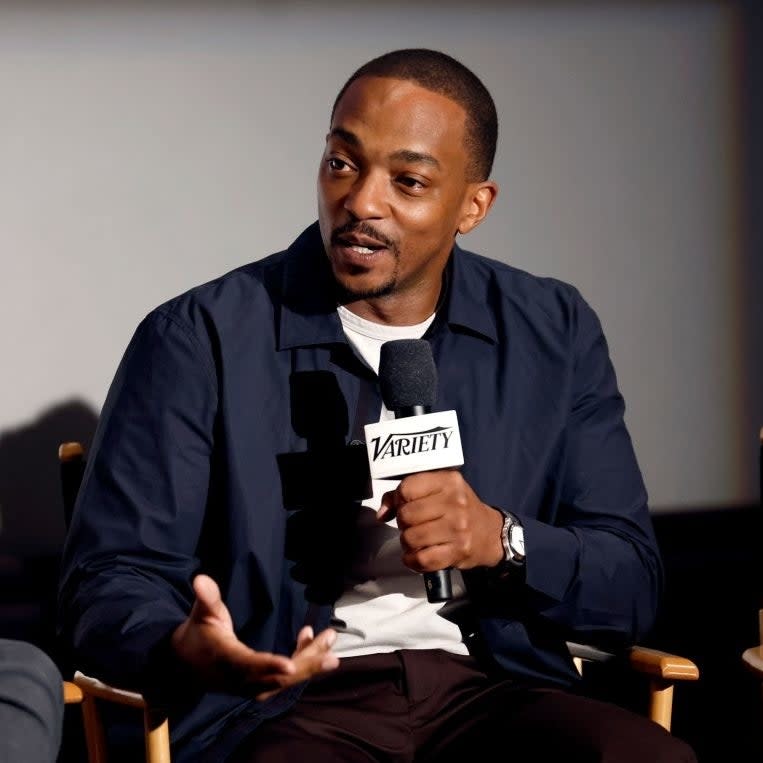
{"x":651,"y":662}
{"x":69,"y":451}
{"x":96,"y":688}
{"x":662,"y":669}
{"x":155,"y":723}
{"x":72,"y":693}
{"x":590,"y":653}
{"x":663,"y":665}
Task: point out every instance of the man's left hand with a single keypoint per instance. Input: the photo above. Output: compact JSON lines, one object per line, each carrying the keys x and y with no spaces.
{"x":442,"y":522}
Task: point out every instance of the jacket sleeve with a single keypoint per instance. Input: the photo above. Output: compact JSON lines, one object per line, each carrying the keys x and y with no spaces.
{"x":129,"y":556}
{"x":597,"y":569}
{"x":593,"y":571}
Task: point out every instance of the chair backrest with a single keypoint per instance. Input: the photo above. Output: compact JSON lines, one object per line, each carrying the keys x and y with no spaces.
{"x":86,"y":689}
{"x":71,"y":459}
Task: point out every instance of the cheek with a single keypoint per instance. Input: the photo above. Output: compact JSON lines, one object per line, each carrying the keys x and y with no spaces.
{"x":424,"y":219}
{"x":323,"y":194}
{"x":432,"y":229}
{"x":328,"y":192}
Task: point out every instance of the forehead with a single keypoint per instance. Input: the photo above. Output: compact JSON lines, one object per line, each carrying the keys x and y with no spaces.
{"x":402,"y":115}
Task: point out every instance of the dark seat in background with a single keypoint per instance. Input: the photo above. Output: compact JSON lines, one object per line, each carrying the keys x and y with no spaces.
{"x":753,"y":656}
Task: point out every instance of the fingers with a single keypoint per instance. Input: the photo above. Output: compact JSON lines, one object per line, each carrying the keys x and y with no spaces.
{"x":430,"y":558}
{"x":209,"y":604}
{"x":207,"y":643}
{"x":442,"y":521}
{"x":424,"y":497}
{"x":388,"y":508}
{"x":310,"y":645}
{"x":253,"y":673}
{"x":312,"y":657}
{"x":251,"y":666}
{"x":416,"y":487}
{"x":316,"y":656}
{"x":324,"y":658}
{"x":304,"y":637}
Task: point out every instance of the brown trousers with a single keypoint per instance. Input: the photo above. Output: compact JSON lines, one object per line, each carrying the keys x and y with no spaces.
{"x":432,"y":706}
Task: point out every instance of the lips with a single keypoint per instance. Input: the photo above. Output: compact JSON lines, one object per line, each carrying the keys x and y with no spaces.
{"x":358,"y":250}
{"x":359,"y":246}
{"x":364,"y":244}
{"x":357,"y":255}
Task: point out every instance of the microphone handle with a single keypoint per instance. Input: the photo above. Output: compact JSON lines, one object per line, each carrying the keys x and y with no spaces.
{"x":438,"y":584}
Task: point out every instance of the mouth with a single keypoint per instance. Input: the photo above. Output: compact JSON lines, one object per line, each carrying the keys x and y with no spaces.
{"x":359,"y":249}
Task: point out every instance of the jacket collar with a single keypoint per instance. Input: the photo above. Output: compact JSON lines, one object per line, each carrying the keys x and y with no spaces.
{"x":308,"y":309}
{"x":468,"y":304}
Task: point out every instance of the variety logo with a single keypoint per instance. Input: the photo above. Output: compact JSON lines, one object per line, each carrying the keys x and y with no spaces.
{"x":413,"y":444}
{"x":409,"y":443}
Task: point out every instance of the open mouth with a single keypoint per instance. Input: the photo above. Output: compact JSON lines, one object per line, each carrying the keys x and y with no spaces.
{"x":359,"y":249}
{"x":362,"y":249}
{"x":359,"y":246}
{"x":363,"y":244}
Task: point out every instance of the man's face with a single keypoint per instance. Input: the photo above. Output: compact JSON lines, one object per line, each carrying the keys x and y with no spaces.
{"x":393,"y":190}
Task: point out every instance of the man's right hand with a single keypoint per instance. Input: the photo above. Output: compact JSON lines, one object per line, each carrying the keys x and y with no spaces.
{"x":207,"y":644}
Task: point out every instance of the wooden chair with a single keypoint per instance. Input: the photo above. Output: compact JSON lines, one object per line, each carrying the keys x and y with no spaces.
{"x":89,"y":691}
{"x":72,"y":693}
{"x":155,"y":724}
{"x":661,"y":669}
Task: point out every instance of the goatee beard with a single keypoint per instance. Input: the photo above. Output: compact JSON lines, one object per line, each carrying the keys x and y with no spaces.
{"x":345,"y":295}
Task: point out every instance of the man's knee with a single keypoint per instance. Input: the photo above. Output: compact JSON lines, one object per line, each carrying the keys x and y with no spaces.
{"x":31,"y":697}
{"x":22,"y":661}
{"x":639,"y":739}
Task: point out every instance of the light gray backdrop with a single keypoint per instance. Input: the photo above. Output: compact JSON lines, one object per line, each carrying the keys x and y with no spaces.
{"x":146,"y":148}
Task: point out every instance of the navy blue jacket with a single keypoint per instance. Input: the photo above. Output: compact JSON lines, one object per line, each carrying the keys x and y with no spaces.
{"x":204,"y":441}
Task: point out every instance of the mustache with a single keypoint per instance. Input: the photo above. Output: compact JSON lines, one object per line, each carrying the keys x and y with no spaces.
{"x":365,"y":229}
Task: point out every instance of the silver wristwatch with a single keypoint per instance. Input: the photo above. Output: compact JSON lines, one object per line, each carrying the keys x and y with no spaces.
{"x":512,"y":540}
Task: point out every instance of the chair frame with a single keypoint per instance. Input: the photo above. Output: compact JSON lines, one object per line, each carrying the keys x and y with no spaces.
{"x":155,"y":723}
{"x":661,"y":669}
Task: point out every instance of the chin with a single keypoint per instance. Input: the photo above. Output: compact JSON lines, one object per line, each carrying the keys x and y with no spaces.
{"x":351,"y":290}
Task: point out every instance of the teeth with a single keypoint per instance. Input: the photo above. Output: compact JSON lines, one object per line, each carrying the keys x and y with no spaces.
{"x":361,"y":249}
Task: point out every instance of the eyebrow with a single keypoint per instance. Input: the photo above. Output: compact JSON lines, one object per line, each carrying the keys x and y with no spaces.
{"x":403,"y":154}
{"x":407,"y":155}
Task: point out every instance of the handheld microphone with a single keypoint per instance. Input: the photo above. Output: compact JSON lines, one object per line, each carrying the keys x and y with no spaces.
{"x":408,"y":381}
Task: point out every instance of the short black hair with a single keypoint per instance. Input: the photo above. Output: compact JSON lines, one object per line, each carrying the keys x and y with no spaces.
{"x":443,"y":74}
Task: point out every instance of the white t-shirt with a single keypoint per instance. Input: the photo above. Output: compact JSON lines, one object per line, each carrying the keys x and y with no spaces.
{"x":384,"y":605}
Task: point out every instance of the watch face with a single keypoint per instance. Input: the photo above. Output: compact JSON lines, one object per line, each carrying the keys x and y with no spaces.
{"x":517,"y":540}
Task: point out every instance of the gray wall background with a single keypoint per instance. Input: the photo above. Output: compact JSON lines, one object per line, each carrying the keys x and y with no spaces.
{"x":148,"y":147}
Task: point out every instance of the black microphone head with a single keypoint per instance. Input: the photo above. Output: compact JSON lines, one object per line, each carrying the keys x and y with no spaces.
{"x":407,"y":374}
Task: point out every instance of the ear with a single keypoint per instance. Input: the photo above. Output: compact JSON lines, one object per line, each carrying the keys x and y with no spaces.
{"x":479,"y":199}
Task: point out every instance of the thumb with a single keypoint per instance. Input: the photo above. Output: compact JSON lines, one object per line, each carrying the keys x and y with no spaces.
{"x":388,"y":507}
{"x":209,"y":604}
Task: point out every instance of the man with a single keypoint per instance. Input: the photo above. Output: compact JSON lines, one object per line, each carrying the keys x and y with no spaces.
{"x":222,"y":524}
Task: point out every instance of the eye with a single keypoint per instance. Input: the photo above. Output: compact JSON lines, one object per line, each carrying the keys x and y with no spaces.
{"x":337,"y":165}
{"x":411,"y":183}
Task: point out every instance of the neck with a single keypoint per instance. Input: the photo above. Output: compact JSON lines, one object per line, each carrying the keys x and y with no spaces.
{"x":399,"y":308}
{"x":393,"y":310}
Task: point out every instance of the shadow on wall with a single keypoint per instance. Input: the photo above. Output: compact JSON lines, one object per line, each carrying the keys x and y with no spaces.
{"x":31,"y":509}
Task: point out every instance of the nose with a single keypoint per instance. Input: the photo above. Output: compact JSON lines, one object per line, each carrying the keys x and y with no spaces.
{"x":366,"y":198}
